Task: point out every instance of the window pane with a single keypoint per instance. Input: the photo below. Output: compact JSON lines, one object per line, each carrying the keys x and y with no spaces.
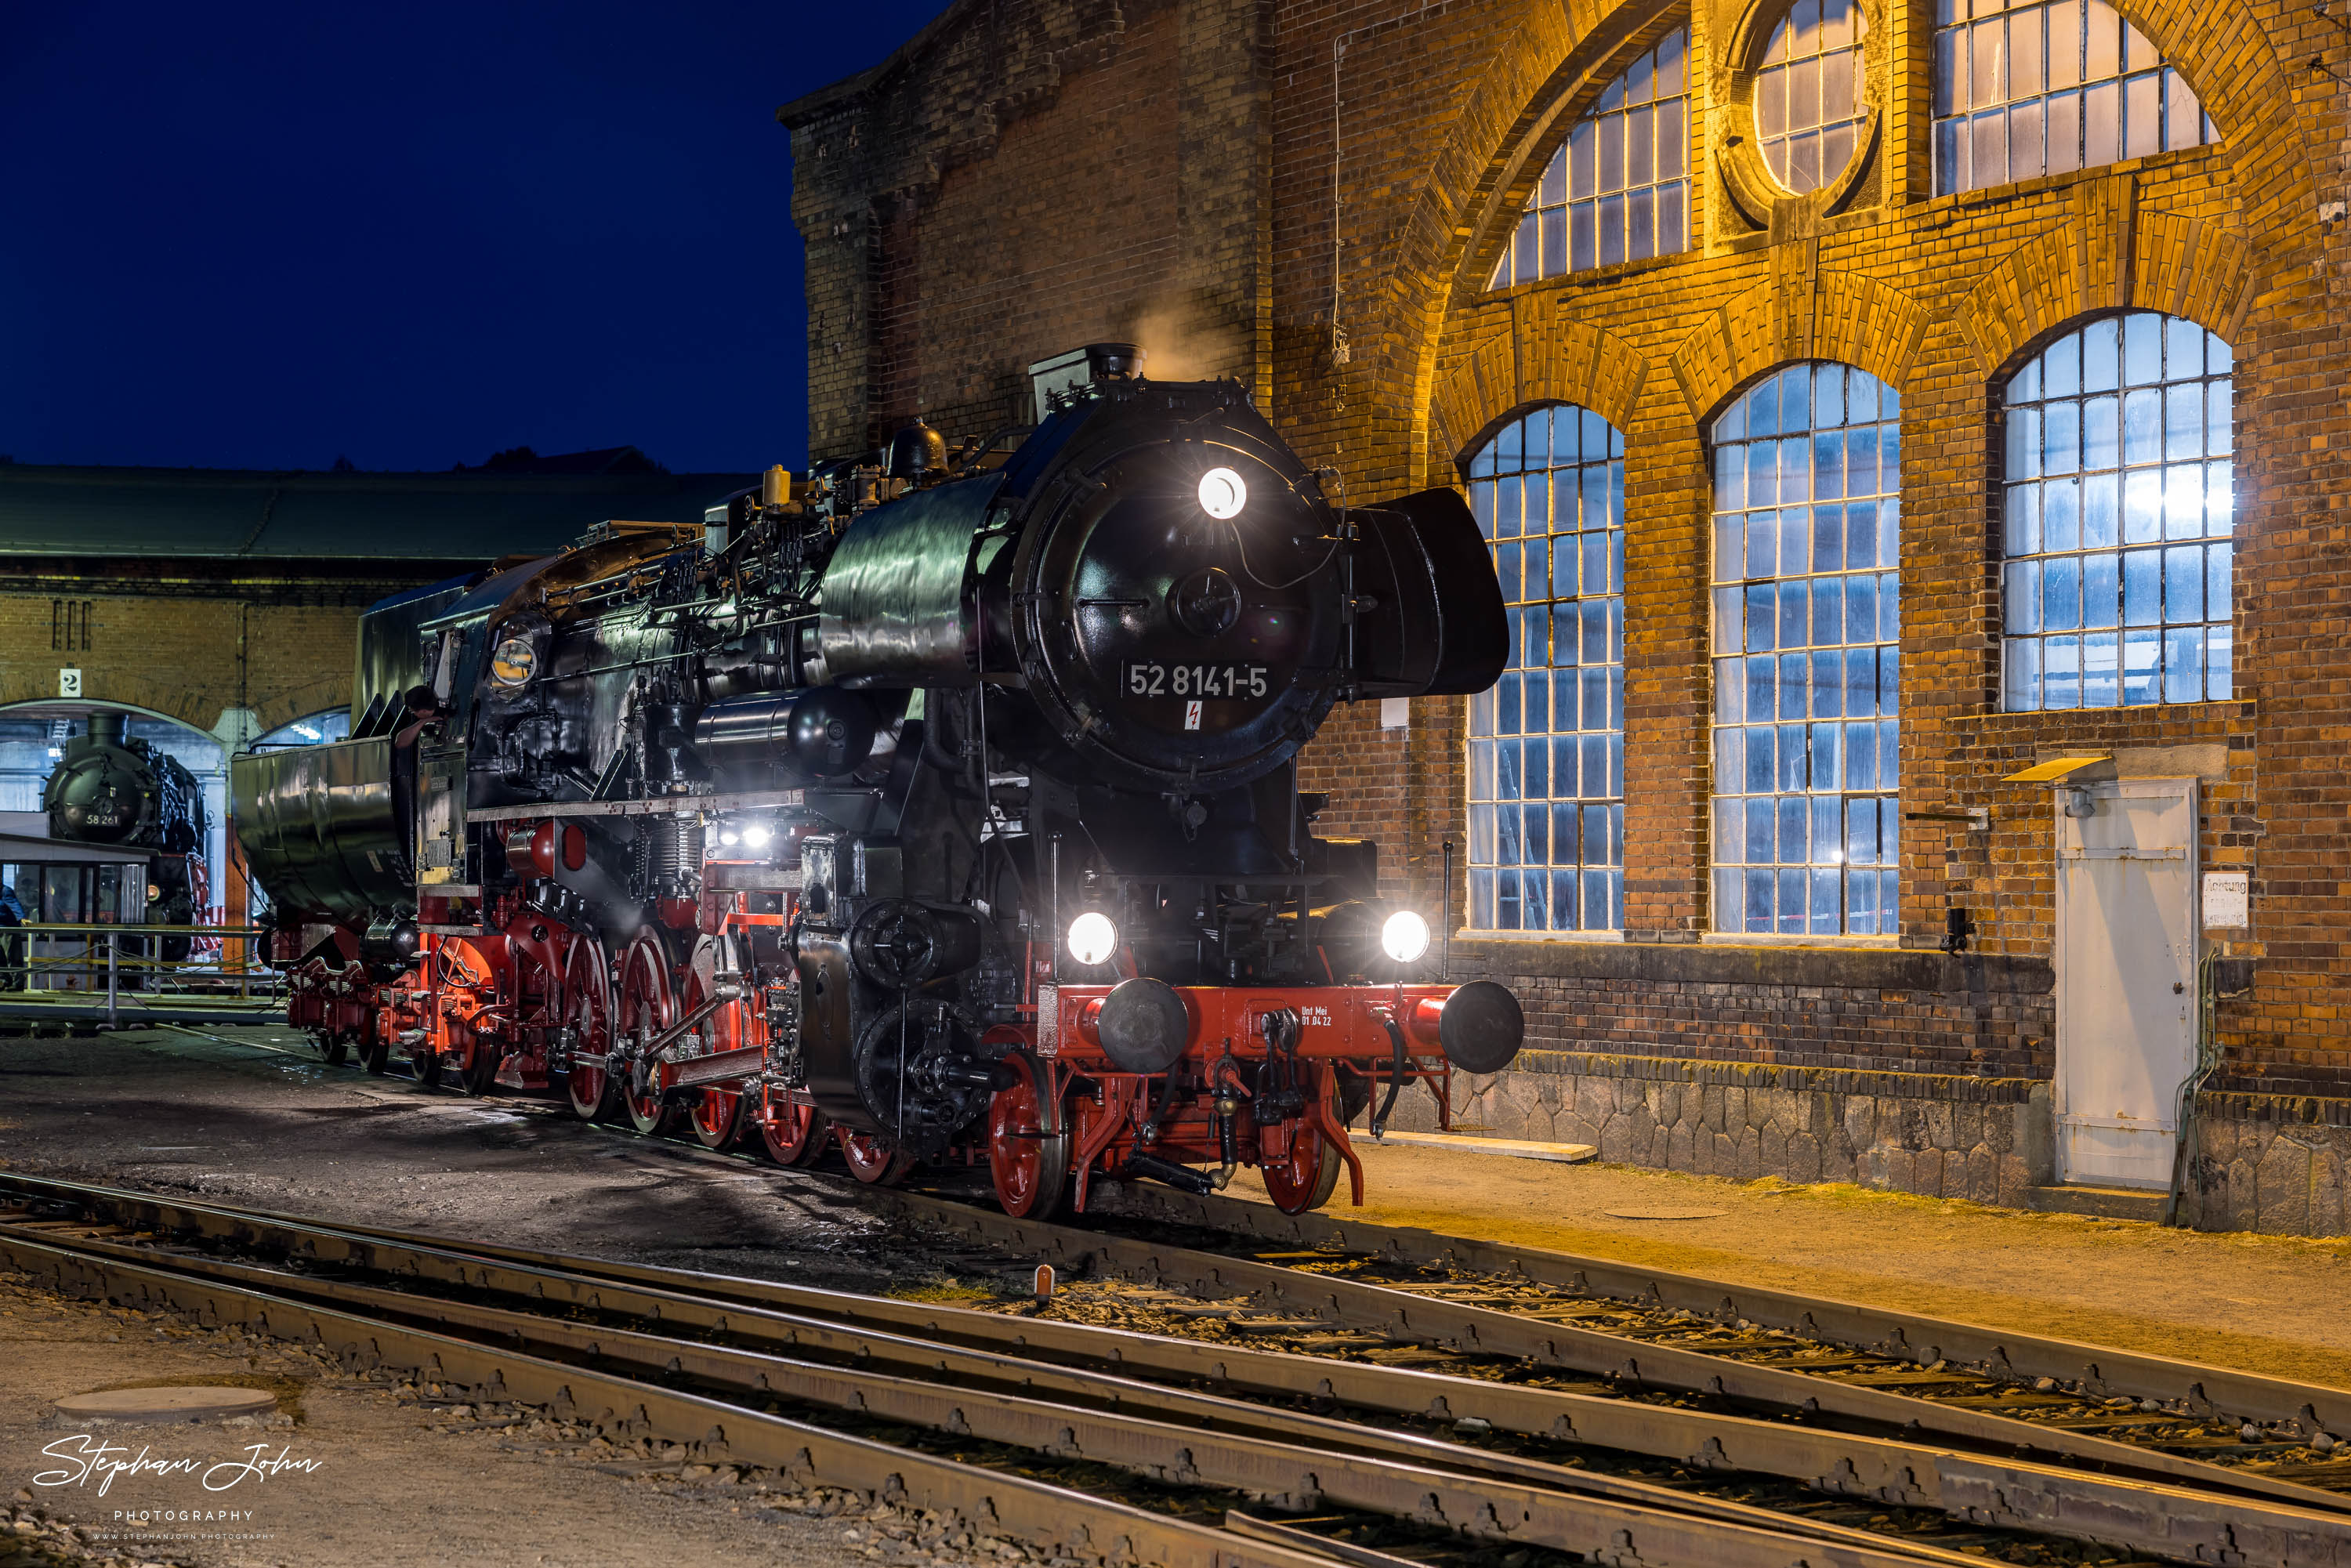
{"x":1633,"y":146}
{"x":2088,"y":554}
{"x":1555,"y":526}
{"x":1804,"y":732}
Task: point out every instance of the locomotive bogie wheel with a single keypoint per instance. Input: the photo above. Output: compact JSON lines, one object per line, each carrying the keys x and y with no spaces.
{"x":1302,"y":1176}
{"x":588,"y":1012}
{"x":336,"y":1048}
{"x":375,"y":1053}
{"x":479,"y":1075}
{"x":1027,"y":1143}
{"x":794,"y":1134}
{"x":718,"y":1115}
{"x":426,"y":1065}
{"x":875,"y":1159}
{"x":648,"y":1004}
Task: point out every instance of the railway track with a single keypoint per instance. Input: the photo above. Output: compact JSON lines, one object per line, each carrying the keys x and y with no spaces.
{"x":1439,"y":1466}
{"x":1657,"y":1327}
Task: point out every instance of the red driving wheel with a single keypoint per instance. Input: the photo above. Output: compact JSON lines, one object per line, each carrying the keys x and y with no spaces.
{"x":719,"y":1113}
{"x":1027,"y":1141}
{"x":588,"y":1013}
{"x":794,"y":1134}
{"x":648,"y":1006}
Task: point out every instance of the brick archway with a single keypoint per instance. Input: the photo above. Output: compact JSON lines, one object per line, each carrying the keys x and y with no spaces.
{"x":1800,"y":312}
{"x":1553,"y":358}
{"x":114,"y":690}
{"x":2111,"y":257}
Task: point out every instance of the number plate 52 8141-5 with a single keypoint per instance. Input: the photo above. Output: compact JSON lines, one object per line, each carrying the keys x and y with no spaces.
{"x":1158,"y":680}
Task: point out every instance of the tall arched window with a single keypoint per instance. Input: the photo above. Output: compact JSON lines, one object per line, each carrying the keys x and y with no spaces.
{"x":2116,"y":519}
{"x":1807,"y":598}
{"x":1547,"y":742}
{"x":2022,"y":90}
{"x":1618,"y":189}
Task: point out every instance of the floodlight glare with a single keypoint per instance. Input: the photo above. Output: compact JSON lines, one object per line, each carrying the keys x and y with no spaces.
{"x":1093,"y":938}
{"x":757,"y":835}
{"x":1222,"y":494}
{"x":1404,"y":937}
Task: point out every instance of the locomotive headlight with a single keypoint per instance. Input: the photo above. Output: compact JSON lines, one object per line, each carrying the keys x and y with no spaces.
{"x":757,"y":835}
{"x":1404,"y":937}
{"x":1223,"y":494}
{"x":1093,"y":938}
{"x":513,"y":662}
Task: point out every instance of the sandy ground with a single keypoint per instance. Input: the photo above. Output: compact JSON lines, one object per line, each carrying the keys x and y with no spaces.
{"x":371,"y":1474}
{"x":2261,"y":1303}
{"x":398,"y":1483}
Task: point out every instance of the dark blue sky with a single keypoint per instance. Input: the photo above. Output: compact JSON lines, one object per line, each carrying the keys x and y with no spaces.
{"x":264,"y":236}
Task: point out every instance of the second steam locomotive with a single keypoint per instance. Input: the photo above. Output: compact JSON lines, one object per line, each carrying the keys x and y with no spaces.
{"x":942,"y":806}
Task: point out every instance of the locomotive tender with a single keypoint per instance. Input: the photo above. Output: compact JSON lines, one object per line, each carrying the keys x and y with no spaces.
{"x":940,"y":806}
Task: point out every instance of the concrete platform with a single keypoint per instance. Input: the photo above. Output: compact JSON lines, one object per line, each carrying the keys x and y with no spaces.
{"x":2264,"y":1303}
{"x":1516,"y":1148}
{"x":2104,"y":1202}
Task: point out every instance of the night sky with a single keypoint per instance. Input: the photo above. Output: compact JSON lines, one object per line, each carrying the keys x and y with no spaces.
{"x":411,"y":235}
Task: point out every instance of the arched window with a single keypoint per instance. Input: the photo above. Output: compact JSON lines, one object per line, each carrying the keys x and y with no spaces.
{"x":1809,"y":96}
{"x":2022,"y":90}
{"x":1618,"y":189}
{"x":1547,"y":742}
{"x":335,"y":723}
{"x":2116,"y":519}
{"x":1807,"y":602}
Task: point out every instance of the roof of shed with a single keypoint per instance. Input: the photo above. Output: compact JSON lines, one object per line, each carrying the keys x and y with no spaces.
{"x":249,"y":514}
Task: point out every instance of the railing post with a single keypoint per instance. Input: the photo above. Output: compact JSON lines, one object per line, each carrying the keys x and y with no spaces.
{"x":114,"y":948}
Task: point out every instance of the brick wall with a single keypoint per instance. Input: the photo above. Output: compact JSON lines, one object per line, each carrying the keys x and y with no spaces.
{"x":1399,"y":144}
{"x":190,"y":640}
{"x":1022,"y":179}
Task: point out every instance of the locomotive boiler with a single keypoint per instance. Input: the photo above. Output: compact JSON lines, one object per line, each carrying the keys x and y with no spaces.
{"x":937,"y":805}
{"x":110,"y":789}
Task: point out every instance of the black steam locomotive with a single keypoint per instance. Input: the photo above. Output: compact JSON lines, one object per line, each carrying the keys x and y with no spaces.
{"x":945,"y":803}
{"x":110,"y":789}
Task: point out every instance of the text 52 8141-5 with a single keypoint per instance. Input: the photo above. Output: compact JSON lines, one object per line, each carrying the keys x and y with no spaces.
{"x":1157,"y":680}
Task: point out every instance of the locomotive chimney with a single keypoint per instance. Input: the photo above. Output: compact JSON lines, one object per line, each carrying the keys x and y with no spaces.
{"x":1114,"y":362}
{"x":106,"y":728}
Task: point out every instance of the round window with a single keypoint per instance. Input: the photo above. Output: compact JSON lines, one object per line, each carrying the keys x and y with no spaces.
{"x":1809,"y":99}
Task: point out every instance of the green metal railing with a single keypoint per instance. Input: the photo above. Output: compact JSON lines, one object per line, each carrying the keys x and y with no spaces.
{"x":97,"y":947}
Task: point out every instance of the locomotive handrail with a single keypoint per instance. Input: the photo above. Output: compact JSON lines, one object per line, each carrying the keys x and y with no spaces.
{"x":658,"y":806}
{"x":104,"y":927}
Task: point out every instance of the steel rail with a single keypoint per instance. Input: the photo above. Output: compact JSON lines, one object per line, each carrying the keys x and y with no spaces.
{"x":1477,"y":1330}
{"x":721,"y":1432}
{"x":1548,"y":1342}
{"x":2222,"y":1393}
{"x":1480,"y":1507}
{"x":1910,"y":1336}
{"x":1974,"y":1491}
{"x":2008,"y":1494}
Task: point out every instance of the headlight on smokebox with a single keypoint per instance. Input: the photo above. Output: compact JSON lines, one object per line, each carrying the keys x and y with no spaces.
{"x":1404,"y":937}
{"x":1093,"y":938}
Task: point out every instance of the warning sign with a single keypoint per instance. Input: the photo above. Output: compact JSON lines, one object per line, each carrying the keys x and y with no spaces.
{"x":1192,"y":714}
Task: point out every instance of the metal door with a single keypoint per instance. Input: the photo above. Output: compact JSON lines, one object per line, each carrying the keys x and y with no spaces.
{"x":2125,"y":960}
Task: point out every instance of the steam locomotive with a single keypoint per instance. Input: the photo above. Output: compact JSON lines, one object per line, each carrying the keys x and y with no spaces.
{"x":109,"y":788}
{"x":939,"y":806}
